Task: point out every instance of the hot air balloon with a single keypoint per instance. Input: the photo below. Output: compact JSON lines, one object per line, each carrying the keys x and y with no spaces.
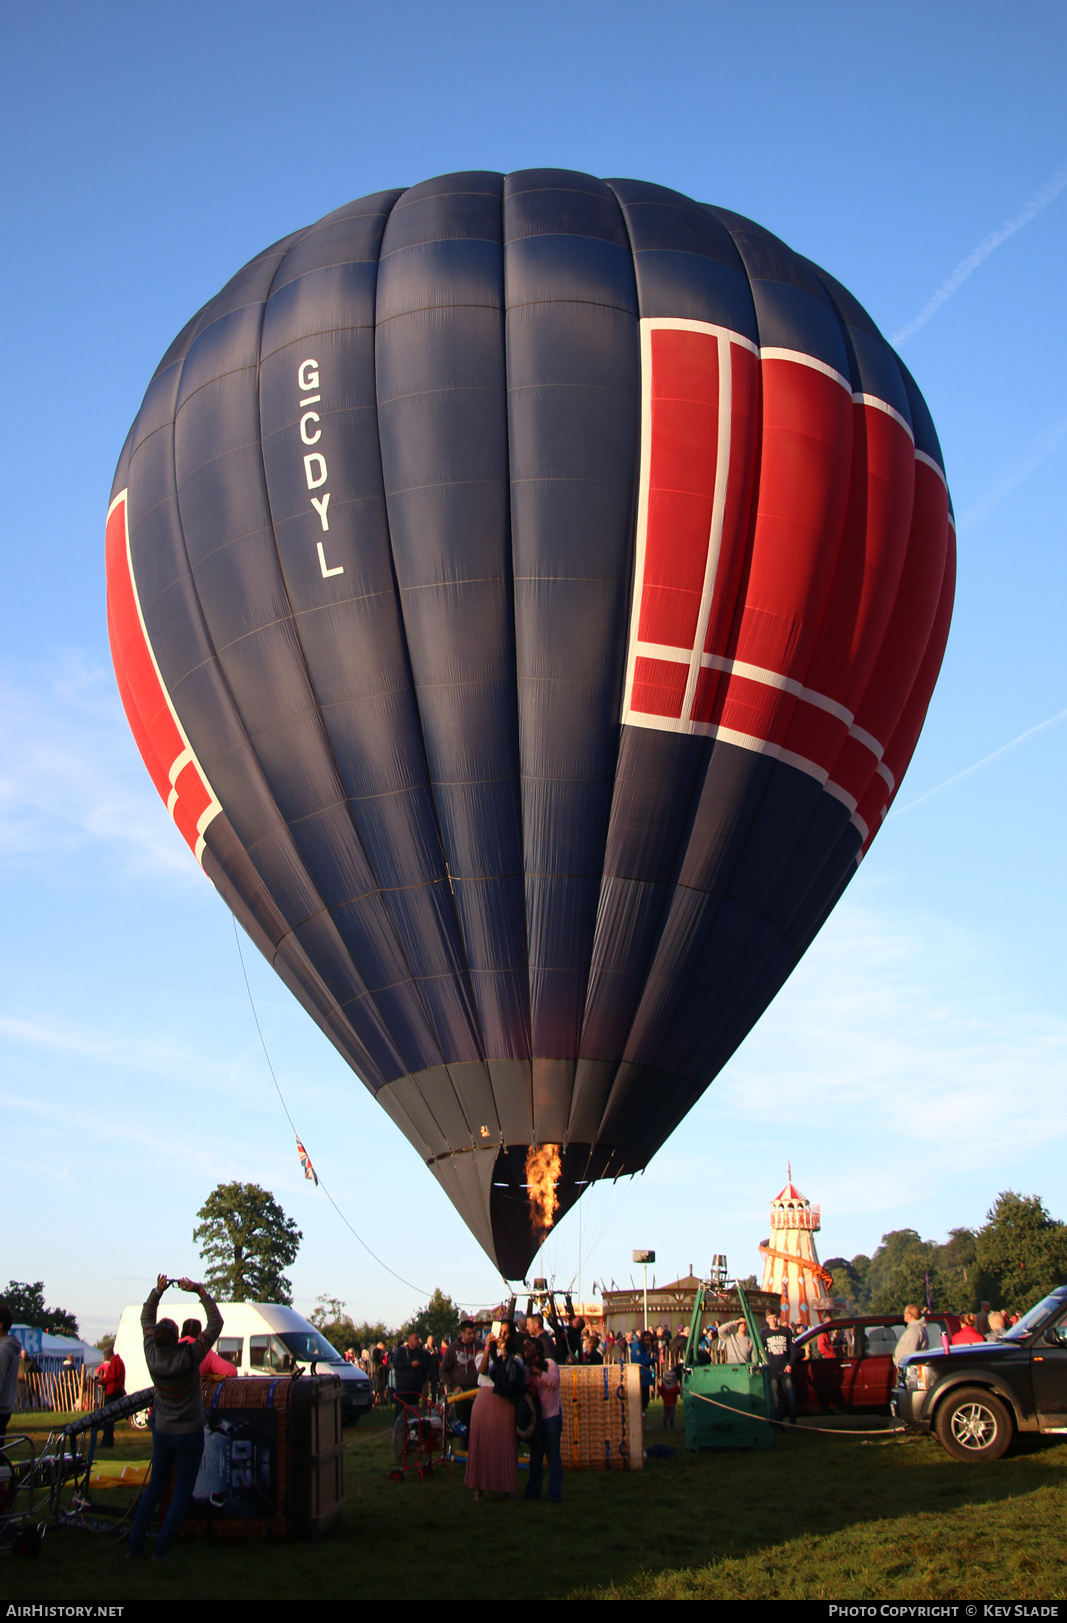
{"x":526,"y":593}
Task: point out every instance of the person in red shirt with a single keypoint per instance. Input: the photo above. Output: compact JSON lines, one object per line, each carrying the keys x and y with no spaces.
{"x":111,"y":1375}
{"x":967,"y":1335}
{"x":220,"y":1368}
{"x":670,"y":1383}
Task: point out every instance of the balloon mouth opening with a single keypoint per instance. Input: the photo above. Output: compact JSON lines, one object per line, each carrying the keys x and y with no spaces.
{"x":534,"y":1186}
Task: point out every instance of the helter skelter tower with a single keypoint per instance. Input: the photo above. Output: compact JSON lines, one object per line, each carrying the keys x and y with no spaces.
{"x":791,"y":1269}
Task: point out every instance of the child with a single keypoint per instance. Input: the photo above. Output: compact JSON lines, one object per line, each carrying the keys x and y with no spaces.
{"x":669,"y":1385}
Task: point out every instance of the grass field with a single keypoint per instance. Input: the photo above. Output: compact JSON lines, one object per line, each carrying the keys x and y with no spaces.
{"x":815,"y":1517}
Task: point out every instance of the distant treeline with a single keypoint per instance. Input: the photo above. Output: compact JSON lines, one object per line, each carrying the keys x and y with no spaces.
{"x":1015,"y":1258}
{"x":438,"y":1318}
{"x":27,"y":1307}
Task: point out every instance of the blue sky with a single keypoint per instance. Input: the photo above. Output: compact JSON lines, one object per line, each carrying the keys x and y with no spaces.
{"x":915,"y":1064}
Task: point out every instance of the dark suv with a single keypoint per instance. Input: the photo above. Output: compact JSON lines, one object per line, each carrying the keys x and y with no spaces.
{"x":975,"y":1398}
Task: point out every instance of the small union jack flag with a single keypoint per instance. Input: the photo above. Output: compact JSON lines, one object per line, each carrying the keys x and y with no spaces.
{"x":305,"y":1162}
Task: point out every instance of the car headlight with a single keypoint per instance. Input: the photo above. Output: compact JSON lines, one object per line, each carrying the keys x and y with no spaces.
{"x":918,"y":1377}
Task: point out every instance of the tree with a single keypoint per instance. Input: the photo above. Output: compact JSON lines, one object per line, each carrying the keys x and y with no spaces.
{"x":58,"y":1322}
{"x":368,"y":1335}
{"x":849,"y":1281}
{"x":899,"y":1270}
{"x":27,"y":1307}
{"x":861,"y":1270}
{"x":955,"y":1276}
{"x":26,"y":1302}
{"x":1021,"y":1252}
{"x":246,"y":1240}
{"x":330,"y":1317}
{"x":106,"y":1344}
{"x":340,"y":1331}
{"x":439,"y":1318}
{"x":327,"y":1310}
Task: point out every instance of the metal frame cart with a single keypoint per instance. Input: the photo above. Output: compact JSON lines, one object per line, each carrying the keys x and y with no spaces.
{"x":22,"y":1496}
{"x":38,"y":1481}
{"x":725,"y":1405}
{"x":425,"y":1436}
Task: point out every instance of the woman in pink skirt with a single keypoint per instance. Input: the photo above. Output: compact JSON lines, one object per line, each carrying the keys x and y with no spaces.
{"x":493,"y":1450}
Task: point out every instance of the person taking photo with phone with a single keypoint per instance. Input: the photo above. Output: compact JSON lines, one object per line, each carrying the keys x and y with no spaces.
{"x":178,"y":1414}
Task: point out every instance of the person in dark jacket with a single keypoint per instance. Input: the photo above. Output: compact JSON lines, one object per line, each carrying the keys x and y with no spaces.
{"x":379,"y":1360}
{"x":535,"y":1329}
{"x":411,"y":1370}
{"x":433,"y":1368}
{"x":641,"y":1355}
{"x":10,"y":1353}
{"x":778,"y":1356}
{"x":178,"y":1423}
{"x":459,"y":1363}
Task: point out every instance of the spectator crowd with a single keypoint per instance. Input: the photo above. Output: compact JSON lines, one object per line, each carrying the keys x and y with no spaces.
{"x":509,"y":1374}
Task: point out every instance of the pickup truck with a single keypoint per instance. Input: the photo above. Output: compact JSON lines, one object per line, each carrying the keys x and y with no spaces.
{"x":976,"y":1398}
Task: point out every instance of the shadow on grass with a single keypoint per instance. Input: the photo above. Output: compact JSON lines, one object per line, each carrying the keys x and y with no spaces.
{"x":835,"y":1511}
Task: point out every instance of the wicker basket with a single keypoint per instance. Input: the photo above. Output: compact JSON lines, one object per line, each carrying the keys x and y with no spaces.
{"x":302,"y":1449}
{"x":602,"y":1425}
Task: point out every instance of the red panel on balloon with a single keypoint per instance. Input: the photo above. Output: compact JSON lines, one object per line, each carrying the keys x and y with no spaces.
{"x":659,"y":686}
{"x":164,"y":748}
{"x":700,"y":439}
{"x":790,"y":547}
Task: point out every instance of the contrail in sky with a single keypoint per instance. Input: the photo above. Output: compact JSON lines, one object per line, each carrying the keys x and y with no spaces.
{"x":1004,"y":749}
{"x":966,"y":267}
{"x":1020,"y":469}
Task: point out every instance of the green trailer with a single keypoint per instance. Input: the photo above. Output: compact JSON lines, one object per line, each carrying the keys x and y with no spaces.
{"x":740,"y":1394}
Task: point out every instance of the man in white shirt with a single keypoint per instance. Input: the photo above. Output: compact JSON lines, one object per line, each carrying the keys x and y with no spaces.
{"x":914,"y":1337}
{"x":737,"y":1343}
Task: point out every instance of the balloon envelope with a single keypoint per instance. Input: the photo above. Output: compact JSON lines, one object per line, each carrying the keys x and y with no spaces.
{"x":526,"y":593}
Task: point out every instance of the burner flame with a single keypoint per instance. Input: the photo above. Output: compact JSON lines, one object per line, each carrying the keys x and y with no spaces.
{"x":543,"y":1168}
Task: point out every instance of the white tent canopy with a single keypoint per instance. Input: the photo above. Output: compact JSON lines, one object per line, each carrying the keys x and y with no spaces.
{"x":51,"y":1351}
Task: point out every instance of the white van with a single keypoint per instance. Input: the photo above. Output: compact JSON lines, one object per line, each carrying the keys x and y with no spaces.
{"x":261,"y":1338}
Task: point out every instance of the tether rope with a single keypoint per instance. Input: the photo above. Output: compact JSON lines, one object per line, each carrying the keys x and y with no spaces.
{"x":417,"y":1288}
{"x":822,"y":1431}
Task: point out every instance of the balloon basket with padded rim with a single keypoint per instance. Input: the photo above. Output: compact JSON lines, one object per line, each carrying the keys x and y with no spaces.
{"x":273,"y":1464}
{"x":602,"y":1425}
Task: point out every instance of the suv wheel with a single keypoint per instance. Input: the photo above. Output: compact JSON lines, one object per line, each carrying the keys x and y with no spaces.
{"x":974,"y":1425}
